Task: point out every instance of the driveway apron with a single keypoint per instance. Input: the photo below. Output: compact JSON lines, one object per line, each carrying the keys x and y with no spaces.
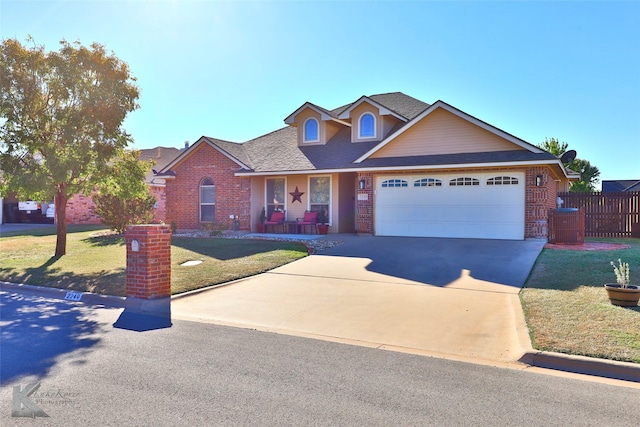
{"x":443,"y":297}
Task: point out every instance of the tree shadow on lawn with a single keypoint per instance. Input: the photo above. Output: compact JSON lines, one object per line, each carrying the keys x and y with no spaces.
{"x":37,"y":332}
{"x":102,"y":241}
{"x":227,"y":249}
{"x":102,"y":282}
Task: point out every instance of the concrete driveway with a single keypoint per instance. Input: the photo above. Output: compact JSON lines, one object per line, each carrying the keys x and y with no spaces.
{"x":444,"y":297}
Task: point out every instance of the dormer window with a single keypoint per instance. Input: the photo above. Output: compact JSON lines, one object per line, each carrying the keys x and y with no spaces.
{"x":311,"y":130}
{"x":367,"y":126}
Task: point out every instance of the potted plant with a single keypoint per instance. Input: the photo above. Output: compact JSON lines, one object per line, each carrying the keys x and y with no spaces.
{"x":622,"y":293}
{"x":323,"y":227}
{"x":263,"y":218}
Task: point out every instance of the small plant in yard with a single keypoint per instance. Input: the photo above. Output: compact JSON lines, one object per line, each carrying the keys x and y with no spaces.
{"x":215,"y":229}
{"x":622,"y":273}
{"x":623,"y":293}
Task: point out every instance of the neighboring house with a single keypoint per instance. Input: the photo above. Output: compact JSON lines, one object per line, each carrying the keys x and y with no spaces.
{"x":621,"y":185}
{"x":80,"y":208}
{"x":387,"y":165}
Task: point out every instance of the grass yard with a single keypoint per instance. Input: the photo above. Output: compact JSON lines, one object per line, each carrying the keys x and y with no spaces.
{"x":567,"y":308}
{"x":97,"y":263}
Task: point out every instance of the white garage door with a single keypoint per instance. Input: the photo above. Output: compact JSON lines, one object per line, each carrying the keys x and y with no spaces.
{"x":467,"y":205}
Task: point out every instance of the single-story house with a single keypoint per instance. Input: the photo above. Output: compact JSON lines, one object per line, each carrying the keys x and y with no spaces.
{"x":623,"y":185}
{"x":80,"y":208}
{"x":386,"y":165}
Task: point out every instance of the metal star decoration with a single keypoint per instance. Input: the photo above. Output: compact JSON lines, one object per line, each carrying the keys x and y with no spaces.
{"x":297,"y":195}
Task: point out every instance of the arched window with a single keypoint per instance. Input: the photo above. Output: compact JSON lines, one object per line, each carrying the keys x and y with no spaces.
{"x":367,"y":126}
{"x":207,"y":200}
{"x":311,"y":130}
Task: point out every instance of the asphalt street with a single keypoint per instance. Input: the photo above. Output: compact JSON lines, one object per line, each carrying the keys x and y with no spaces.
{"x":96,"y":365}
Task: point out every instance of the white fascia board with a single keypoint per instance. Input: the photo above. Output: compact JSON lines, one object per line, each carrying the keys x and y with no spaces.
{"x":342,"y":122}
{"x":382,"y":110}
{"x":410,"y":168}
{"x":462,"y":115}
{"x":292,"y":117}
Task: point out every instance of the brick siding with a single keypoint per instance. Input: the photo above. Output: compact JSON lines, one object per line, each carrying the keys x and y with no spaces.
{"x":80,"y":208}
{"x":148,"y":268}
{"x":538,"y":201}
{"x":232,"y":194}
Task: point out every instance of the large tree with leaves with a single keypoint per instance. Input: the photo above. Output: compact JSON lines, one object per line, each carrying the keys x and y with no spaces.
{"x":589,"y":174}
{"x":61,"y":115}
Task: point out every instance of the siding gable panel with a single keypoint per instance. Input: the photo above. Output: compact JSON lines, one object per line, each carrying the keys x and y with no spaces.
{"x":442,"y":132}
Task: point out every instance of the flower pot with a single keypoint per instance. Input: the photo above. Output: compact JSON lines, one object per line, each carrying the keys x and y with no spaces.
{"x":260,"y":228}
{"x":323,"y":228}
{"x":623,"y":297}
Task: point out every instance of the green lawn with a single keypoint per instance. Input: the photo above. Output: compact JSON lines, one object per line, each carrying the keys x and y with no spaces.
{"x":97,"y":264}
{"x":567,"y":309}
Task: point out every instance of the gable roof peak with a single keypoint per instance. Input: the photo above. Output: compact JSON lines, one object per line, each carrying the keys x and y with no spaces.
{"x":403,"y":107}
{"x":324,"y":113}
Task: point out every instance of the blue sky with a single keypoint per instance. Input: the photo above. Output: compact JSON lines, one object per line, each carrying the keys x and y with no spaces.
{"x":235,"y":70}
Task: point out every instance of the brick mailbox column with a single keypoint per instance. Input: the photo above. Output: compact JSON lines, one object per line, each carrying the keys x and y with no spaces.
{"x":148,"y":261}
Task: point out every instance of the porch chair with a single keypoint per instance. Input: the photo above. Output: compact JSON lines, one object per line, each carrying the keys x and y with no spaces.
{"x":310,"y":219}
{"x":277,"y":218}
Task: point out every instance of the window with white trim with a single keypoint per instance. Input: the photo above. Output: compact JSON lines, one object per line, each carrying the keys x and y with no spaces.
{"x":367,"y":126}
{"x":311,"y":130}
{"x":394,"y":183}
{"x":207,"y":200}
{"x":275,"y":195}
{"x":464,"y":181}
{"x":320,"y":195}
{"x":502,"y":180}
{"x":427,"y":182}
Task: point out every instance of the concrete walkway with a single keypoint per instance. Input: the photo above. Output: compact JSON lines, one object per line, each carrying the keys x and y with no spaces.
{"x":376,"y":301}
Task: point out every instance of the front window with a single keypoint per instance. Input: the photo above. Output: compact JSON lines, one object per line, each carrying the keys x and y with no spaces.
{"x":275,"y":195}
{"x":311,"y":130}
{"x":207,"y":200}
{"x":320,"y":194}
{"x":367,"y":126}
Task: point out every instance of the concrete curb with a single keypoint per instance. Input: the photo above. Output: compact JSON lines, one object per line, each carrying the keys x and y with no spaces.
{"x":542,"y":359}
{"x":583,"y":365}
{"x":157,"y":307}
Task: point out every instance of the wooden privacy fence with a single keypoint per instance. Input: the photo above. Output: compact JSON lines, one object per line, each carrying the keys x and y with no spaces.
{"x":611,"y":214}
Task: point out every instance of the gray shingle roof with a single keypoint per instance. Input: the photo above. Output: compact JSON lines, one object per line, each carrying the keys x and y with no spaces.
{"x":278,"y":151}
{"x":459,"y":158}
{"x":401,"y":104}
{"x":161,"y":157}
{"x":234,"y":149}
{"x":621,"y":185}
